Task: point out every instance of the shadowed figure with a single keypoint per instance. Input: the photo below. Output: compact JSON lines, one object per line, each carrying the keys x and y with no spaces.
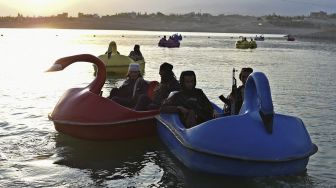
{"x":191,"y":103}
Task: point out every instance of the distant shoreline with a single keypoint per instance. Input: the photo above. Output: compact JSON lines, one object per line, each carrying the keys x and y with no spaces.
{"x":306,"y":28}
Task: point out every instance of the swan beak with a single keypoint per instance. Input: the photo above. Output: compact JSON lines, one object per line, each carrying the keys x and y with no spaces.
{"x":55,"y":67}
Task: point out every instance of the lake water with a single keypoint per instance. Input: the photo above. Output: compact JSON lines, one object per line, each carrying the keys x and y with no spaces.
{"x":34,"y":154}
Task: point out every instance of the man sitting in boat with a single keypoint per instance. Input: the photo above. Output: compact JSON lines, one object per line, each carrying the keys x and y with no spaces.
{"x":191,"y":103}
{"x":134,"y":86}
{"x":167,"y":84}
{"x":136,"y":54}
{"x":239,"y":98}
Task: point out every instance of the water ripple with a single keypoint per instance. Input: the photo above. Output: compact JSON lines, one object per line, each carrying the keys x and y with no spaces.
{"x":4,"y":124}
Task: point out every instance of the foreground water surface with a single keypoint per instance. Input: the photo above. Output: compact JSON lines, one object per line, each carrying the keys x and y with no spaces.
{"x":34,"y":154}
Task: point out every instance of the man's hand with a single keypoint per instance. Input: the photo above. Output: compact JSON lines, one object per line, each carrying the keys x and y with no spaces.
{"x":215,"y":114}
{"x":183,"y":110}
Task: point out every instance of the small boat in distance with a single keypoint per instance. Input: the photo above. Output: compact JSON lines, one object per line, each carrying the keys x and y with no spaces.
{"x":117,"y":64}
{"x":290,"y":37}
{"x":244,"y":44}
{"x":172,"y":42}
{"x":259,"y":38}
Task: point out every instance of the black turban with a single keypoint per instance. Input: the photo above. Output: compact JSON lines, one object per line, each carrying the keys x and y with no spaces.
{"x":166,"y":67}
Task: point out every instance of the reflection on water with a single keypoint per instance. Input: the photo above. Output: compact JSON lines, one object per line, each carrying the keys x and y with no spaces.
{"x":146,"y":162}
{"x":33,"y":154}
{"x":128,"y":163}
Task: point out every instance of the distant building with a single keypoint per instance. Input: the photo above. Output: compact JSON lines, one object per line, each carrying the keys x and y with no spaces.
{"x":63,"y":15}
{"x":81,"y":15}
{"x":320,"y":14}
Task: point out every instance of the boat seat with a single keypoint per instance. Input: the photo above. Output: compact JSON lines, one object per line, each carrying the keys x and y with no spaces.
{"x":151,"y":87}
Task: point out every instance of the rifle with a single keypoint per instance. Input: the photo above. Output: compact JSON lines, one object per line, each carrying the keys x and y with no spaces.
{"x":230,"y":104}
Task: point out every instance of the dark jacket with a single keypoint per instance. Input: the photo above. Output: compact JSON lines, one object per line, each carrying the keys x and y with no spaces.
{"x":195,"y":100}
{"x":127,"y":90}
{"x":162,"y":91}
{"x":136,"y":55}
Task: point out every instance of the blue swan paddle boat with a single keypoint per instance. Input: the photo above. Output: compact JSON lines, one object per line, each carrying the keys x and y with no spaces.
{"x":257,"y":142}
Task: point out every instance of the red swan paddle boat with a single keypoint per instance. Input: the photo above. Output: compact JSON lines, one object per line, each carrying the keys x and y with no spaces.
{"x":84,"y":113}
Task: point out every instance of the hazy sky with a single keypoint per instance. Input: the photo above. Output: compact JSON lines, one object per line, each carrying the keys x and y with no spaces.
{"x":215,"y":7}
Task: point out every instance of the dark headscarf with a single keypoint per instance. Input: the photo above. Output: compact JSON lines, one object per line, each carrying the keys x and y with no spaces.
{"x":183,"y":75}
{"x":137,"y":50}
{"x":166,"y":70}
{"x":166,"y":67}
{"x":137,"y":47}
{"x":246,"y":69}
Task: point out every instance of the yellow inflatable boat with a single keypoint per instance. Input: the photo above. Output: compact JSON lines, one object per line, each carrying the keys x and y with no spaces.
{"x":117,"y":64}
{"x":243,"y":44}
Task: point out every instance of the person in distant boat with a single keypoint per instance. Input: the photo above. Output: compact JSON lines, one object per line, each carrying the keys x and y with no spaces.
{"x":112,"y":50}
{"x":134,"y":86}
{"x":190,"y":103}
{"x":163,"y":40}
{"x":239,"y":99}
{"x":136,"y":54}
{"x":167,"y":84}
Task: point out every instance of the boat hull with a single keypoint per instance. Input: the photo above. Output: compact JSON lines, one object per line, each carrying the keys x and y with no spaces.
{"x":123,"y":69}
{"x":113,"y":131}
{"x":260,"y":38}
{"x":118,"y":64}
{"x":215,"y":164}
{"x":256,"y":142}
{"x":246,"y":44}
{"x":83,"y":114}
{"x":169,"y":44}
